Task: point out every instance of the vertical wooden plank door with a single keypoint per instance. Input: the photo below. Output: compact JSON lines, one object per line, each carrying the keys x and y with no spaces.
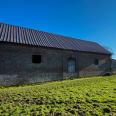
{"x":71,"y":65}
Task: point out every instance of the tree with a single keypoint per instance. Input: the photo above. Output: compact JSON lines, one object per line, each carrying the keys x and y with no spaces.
{"x":108,"y":48}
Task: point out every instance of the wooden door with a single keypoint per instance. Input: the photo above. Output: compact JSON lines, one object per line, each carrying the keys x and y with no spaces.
{"x":71,"y":65}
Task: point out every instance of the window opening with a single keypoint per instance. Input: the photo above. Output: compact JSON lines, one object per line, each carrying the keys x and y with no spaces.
{"x":96,"y":61}
{"x":36,"y":58}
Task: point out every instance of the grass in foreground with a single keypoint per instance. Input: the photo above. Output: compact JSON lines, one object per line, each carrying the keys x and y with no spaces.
{"x":87,"y":96}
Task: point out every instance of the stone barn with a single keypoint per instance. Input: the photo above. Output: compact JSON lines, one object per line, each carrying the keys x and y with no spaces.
{"x":30,"y":56}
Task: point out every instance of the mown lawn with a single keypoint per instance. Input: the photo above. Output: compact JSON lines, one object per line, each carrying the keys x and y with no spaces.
{"x":82,"y":97}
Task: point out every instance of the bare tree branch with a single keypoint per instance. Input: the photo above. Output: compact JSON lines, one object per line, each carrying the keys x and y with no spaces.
{"x":108,"y":48}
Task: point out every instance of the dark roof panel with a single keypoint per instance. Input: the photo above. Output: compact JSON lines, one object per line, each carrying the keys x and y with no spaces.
{"x":11,"y":33}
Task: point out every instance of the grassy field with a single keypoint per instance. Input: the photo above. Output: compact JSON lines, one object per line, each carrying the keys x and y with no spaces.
{"x":79,"y":97}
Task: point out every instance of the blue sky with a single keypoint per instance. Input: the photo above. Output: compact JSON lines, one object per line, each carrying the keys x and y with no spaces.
{"x":92,"y":20}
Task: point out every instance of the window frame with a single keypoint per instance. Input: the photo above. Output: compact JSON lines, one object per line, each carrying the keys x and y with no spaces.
{"x":96,"y":62}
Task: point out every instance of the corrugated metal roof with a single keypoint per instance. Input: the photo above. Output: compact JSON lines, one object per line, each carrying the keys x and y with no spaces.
{"x":11,"y":33}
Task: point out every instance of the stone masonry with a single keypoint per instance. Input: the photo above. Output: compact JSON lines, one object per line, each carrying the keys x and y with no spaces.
{"x":16,"y":65}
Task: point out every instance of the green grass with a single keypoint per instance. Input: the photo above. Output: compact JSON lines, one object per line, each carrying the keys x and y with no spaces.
{"x":85,"y":97}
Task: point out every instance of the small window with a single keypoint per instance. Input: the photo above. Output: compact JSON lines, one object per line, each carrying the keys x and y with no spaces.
{"x":36,"y":58}
{"x":96,"y":61}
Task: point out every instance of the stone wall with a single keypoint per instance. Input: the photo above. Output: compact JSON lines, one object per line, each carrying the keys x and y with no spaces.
{"x":85,"y":63}
{"x":88,"y":68}
{"x":16,"y":65}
